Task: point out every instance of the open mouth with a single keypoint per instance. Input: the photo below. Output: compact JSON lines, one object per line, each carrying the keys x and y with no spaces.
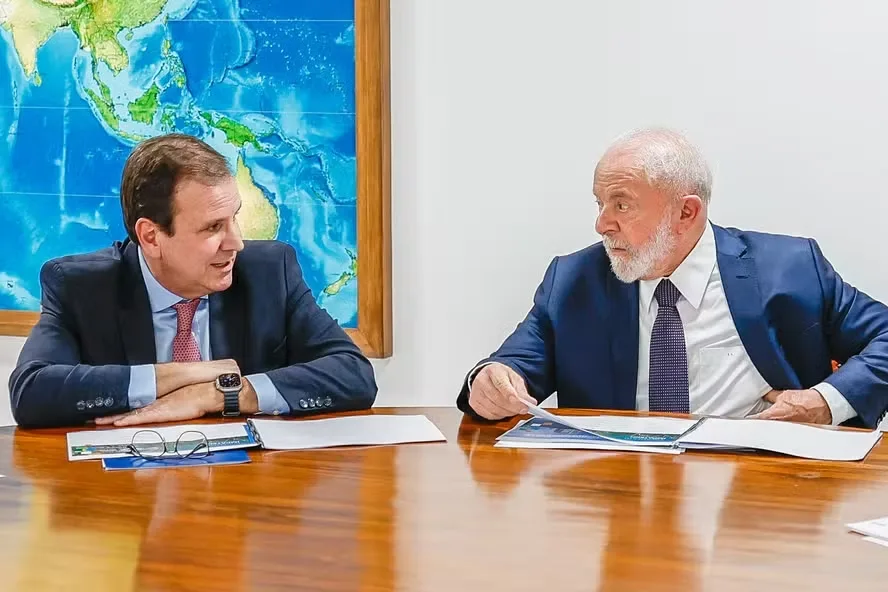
{"x":224,"y":266}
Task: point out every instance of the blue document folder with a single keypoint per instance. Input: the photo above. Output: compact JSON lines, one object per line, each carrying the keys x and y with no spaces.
{"x":223,"y":457}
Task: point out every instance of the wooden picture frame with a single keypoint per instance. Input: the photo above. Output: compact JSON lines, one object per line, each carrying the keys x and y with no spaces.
{"x":374,"y":331}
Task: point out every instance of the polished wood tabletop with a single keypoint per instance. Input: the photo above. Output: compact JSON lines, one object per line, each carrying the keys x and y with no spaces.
{"x":439,"y":516}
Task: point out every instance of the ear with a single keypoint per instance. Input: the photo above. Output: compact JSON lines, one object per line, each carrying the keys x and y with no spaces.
{"x":691,"y":210}
{"x":148,"y":234}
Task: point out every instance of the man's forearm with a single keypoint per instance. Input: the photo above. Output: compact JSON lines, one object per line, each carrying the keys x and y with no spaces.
{"x":175,"y":375}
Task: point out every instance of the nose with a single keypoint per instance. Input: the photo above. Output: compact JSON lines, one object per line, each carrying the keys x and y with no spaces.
{"x":233,"y":238}
{"x":605,"y":223}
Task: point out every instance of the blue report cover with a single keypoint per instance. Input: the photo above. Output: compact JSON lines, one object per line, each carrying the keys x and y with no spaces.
{"x":222,"y":457}
{"x":542,"y":430}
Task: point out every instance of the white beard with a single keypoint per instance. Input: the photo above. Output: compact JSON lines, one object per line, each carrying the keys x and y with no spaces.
{"x":635,"y":264}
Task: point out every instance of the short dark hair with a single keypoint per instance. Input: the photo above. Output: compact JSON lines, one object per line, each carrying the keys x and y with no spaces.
{"x":154,"y":169}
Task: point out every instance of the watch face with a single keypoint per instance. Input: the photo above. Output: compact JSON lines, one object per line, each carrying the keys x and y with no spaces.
{"x":229,"y":380}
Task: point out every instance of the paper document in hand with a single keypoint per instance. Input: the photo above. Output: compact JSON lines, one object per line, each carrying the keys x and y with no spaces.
{"x":116,"y":443}
{"x":360,"y":430}
{"x":794,"y":439}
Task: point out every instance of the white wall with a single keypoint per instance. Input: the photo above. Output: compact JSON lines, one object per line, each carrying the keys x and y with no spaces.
{"x":501,"y":108}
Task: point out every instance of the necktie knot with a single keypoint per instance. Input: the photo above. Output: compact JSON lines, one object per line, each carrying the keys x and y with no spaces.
{"x":185,"y":348}
{"x":666,"y":293}
{"x":185,"y":313}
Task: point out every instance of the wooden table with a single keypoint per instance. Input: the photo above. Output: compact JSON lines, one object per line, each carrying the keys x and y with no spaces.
{"x":460,"y":515}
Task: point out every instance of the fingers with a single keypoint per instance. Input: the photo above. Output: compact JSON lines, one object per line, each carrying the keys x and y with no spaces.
{"x":228,"y":366}
{"x":494,"y":394}
{"x":139,"y":416}
{"x":778,"y":411}
{"x":109,"y":419}
{"x":521,"y":388}
{"x":771,"y":396}
{"x":484,"y":407}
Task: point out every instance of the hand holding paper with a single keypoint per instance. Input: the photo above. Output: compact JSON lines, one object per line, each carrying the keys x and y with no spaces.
{"x":499,"y":392}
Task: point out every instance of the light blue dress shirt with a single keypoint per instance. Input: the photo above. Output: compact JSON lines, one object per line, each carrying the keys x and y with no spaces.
{"x":143,"y":384}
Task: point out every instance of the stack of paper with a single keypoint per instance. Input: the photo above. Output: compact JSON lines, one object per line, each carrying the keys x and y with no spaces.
{"x":117,"y":443}
{"x":794,"y":439}
{"x":673,"y":435}
{"x":630,"y":434}
{"x":358,"y":430}
{"x":874,"y":531}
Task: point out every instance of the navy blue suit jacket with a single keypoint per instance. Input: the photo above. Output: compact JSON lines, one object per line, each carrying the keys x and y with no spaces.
{"x":96,"y":322}
{"x":793,"y":312}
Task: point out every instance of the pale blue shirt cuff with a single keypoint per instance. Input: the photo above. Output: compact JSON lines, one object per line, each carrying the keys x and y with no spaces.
{"x":838,"y":405}
{"x":142,"y":386}
{"x":270,"y":400}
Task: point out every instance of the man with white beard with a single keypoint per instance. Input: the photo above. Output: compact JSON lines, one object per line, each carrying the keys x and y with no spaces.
{"x":672,"y":313}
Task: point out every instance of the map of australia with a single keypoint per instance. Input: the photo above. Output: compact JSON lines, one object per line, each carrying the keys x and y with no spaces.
{"x":268,"y":83}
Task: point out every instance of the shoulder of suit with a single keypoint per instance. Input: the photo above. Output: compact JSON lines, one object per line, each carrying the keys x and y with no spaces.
{"x":758,"y":241}
{"x":264,"y":251}
{"x":101,"y":262}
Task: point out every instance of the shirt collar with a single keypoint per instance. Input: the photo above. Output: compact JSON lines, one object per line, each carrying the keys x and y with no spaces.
{"x":158,"y":297}
{"x":691,"y":276}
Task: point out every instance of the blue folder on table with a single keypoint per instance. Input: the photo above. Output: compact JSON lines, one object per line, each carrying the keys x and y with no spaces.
{"x":222,"y":457}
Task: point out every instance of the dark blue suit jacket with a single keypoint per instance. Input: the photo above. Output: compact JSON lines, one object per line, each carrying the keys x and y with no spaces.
{"x":96,"y":323}
{"x":793,"y":312}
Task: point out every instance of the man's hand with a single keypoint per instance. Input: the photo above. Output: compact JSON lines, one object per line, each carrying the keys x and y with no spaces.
{"x":499,"y":392}
{"x":173,"y":376}
{"x":189,"y":402}
{"x":806,"y":406}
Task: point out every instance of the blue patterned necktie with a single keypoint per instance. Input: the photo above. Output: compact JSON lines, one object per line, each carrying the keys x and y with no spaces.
{"x":668,"y":384}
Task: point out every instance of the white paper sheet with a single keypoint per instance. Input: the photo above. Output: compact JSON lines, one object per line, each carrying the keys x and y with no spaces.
{"x":114,"y":443}
{"x":359,"y":430}
{"x":876,"y":528}
{"x":784,"y":437}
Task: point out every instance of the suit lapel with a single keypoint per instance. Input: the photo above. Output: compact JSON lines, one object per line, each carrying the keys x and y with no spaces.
{"x":739,"y":278}
{"x":623,"y":299}
{"x":227,"y":329}
{"x":134,"y":314}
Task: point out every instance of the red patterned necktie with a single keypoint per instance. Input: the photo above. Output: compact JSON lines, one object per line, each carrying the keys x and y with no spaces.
{"x":185,"y":348}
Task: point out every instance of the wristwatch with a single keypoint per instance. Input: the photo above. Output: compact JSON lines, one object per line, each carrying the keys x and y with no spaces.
{"x":230,"y":385}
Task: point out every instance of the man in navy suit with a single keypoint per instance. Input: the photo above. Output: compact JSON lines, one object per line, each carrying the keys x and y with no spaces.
{"x":672,"y":313}
{"x":183,"y":318}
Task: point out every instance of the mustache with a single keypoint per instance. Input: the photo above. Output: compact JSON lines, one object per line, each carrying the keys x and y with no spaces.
{"x":610,"y":243}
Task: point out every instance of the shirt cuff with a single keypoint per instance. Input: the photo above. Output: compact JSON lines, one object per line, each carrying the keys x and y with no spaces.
{"x":142,"y":386}
{"x":270,"y":400}
{"x":838,"y":405}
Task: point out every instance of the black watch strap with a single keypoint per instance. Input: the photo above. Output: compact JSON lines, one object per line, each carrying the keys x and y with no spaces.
{"x":231,"y":406}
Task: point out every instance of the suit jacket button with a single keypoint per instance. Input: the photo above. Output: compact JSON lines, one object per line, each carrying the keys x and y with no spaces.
{"x":81,"y":405}
{"x":328,"y":402}
{"x":303,"y":403}
{"x":100,"y":402}
{"x":90,"y":404}
{"x":109,"y":401}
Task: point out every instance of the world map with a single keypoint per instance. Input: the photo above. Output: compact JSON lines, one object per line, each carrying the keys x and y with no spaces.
{"x":268,"y":83}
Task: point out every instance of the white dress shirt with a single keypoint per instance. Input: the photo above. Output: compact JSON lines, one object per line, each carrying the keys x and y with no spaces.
{"x":722,"y":379}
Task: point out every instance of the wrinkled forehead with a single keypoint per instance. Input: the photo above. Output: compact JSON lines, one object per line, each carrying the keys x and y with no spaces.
{"x":617,"y":167}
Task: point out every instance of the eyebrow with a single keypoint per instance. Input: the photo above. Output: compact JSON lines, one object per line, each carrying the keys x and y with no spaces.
{"x":218,"y":220}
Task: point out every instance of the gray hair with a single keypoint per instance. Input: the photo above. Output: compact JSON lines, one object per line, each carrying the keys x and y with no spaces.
{"x":668,"y":160}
